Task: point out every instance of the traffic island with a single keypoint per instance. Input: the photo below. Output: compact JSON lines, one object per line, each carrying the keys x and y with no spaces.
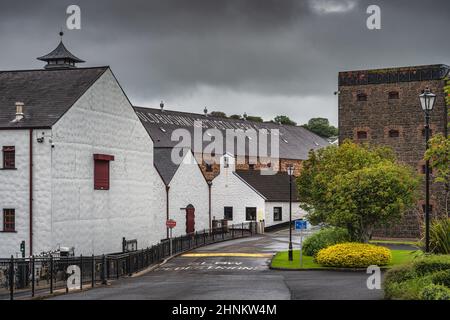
{"x":281,"y":262}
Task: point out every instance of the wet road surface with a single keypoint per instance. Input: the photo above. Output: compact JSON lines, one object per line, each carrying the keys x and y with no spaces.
{"x":234,"y":270}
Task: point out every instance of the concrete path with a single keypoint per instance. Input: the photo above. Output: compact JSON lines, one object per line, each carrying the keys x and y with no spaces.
{"x":234,"y":270}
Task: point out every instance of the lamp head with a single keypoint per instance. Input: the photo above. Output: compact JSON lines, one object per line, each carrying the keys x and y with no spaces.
{"x":427,"y":100}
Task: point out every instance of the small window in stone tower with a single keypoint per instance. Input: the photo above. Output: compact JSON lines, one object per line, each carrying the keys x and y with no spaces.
{"x":209,"y":167}
{"x":362,"y":135}
{"x":361,"y":97}
{"x":394,"y":95}
{"x":394,"y":133}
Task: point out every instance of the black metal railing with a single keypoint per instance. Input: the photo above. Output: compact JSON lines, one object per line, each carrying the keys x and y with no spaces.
{"x":29,"y":277}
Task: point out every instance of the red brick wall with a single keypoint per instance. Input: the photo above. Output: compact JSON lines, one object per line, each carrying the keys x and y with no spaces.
{"x":378,"y":115}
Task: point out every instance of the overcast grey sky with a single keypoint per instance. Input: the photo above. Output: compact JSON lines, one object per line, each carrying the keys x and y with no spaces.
{"x":263,"y":57}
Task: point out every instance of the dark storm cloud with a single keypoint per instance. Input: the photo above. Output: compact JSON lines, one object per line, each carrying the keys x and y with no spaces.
{"x":262,"y":56}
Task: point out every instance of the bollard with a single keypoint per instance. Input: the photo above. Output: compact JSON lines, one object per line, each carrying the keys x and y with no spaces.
{"x":33,"y":274}
{"x":104,"y":270}
{"x":81,"y":272}
{"x":51,"y":274}
{"x":93,"y":272}
{"x":11,"y":278}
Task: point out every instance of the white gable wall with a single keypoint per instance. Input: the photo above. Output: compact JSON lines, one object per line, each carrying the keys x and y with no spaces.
{"x":228,"y":190}
{"x":297,"y":213}
{"x":189,"y":187}
{"x":93,"y":221}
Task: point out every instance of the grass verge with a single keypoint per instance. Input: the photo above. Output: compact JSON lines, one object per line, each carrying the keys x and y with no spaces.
{"x":281,"y":260}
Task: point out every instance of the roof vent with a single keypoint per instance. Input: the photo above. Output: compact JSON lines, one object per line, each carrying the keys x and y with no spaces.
{"x":162,"y":106}
{"x":205,"y":111}
{"x":19,"y":111}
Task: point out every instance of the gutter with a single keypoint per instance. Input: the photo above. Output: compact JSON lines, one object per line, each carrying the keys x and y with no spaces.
{"x":167,"y":209}
{"x":210,"y":204}
{"x":31,"y":192}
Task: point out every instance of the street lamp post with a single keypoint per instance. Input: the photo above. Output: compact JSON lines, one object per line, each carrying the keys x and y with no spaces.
{"x":290,"y":171}
{"x":427,"y":100}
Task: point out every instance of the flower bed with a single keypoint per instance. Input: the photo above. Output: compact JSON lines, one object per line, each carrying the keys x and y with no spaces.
{"x":354,"y":255}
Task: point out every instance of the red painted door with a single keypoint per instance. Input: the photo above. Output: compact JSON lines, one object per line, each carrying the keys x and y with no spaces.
{"x":190,"y":219}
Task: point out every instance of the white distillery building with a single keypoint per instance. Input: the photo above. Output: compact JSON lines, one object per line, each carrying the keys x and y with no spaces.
{"x":76,"y":165}
{"x":247,"y":195}
{"x":187,"y":191}
{"x":81,"y":168}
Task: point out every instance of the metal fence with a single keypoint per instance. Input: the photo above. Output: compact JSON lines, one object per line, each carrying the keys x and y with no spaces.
{"x":29,"y":277}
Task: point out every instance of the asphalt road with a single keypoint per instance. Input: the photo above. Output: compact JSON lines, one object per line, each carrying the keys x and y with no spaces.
{"x":235,"y":270}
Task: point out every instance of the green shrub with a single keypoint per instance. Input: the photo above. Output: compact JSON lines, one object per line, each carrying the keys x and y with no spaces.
{"x":354,"y":255}
{"x":400,"y":273}
{"x":440,"y":236}
{"x":435,"y":292}
{"x":442,"y":278}
{"x":430,"y":264}
{"x":324,"y":238}
{"x":410,"y":280}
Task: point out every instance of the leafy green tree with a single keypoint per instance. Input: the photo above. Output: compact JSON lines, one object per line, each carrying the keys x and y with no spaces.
{"x":255,"y":119}
{"x":439,"y":156}
{"x":284,"y":120}
{"x":322,"y":127}
{"x":356,"y":187}
{"x":218,"y":114}
{"x":236,"y":117}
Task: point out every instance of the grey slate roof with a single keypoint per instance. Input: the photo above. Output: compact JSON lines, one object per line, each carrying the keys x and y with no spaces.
{"x":295,"y":142}
{"x":275,"y":188}
{"x":60,"y":52}
{"x":47,"y":94}
{"x":164,"y":164}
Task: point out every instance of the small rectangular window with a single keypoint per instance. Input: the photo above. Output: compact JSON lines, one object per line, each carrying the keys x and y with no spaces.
{"x":209,"y":167}
{"x":362,"y":135}
{"x":9,"y":220}
{"x":228,"y":213}
{"x":424,"y":169}
{"x":9,"y":157}
{"x":226,"y":162}
{"x":277,"y":214}
{"x":361,"y":97}
{"x":394,"y":134}
{"x":251,"y":167}
{"x":101,"y":171}
{"x":250,"y":214}
{"x":394,"y":95}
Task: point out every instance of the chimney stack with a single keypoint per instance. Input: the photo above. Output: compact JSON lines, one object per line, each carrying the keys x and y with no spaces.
{"x":162,"y":106}
{"x":19,"y":111}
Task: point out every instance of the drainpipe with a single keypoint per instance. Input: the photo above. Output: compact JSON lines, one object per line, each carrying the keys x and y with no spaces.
{"x":167,"y":209}
{"x":209,"y":189}
{"x":31,"y":192}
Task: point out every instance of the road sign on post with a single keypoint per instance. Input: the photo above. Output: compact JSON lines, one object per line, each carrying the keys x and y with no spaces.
{"x":301,"y":225}
{"x":171,"y":224}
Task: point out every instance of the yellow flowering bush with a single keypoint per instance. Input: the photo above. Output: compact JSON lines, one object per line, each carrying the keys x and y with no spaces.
{"x":354,"y":255}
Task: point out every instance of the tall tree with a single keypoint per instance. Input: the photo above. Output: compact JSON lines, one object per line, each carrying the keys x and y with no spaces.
{"x":284,"y":120}
{"x":439,"y":156}
{"x":255,"y":119}
{"x":322,"y":127}
{"x":357,"y":187}
{"x":218,"y":114}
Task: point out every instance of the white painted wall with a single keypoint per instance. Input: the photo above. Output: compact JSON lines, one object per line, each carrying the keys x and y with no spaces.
{"x":228,"y":190}
{"x":94,"y":222}
{"x":189,"y":187}
{"x":297,"y":213}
